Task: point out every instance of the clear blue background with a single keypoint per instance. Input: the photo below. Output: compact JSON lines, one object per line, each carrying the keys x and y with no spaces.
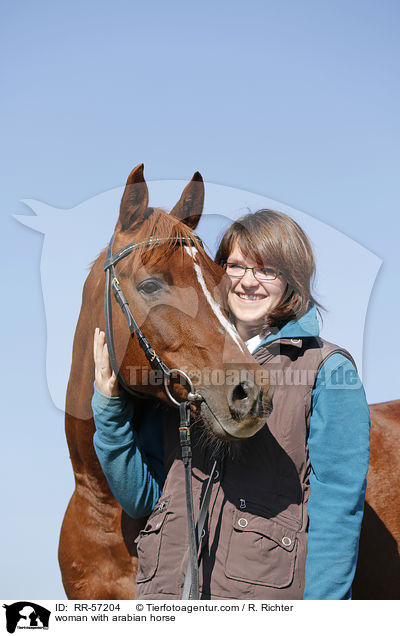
{"x":295,"y":100}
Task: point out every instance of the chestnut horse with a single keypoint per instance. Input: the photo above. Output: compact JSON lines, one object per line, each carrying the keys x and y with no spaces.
{"x":378,"y":568}
{"x":176,"y":294}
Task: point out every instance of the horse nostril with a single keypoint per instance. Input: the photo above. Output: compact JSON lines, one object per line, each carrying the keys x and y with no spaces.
{"x":242,"y":399}
{"x":240,"y":392}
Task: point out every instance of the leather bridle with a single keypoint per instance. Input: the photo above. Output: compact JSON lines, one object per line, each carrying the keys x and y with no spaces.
{"x":153,"y":358}
{"x":191,"y":585}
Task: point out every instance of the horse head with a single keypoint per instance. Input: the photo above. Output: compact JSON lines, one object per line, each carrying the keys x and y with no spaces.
{"x":177,"y":296}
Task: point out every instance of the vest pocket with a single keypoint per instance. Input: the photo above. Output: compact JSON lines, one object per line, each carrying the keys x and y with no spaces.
{"x":260,"y":551}
{"x":149,"y":542}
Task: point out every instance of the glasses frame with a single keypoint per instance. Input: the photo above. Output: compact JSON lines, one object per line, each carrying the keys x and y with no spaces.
{"x":261,"y":280}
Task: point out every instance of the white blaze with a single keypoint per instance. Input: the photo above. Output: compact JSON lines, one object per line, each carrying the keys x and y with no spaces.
{"x":227,"y":326}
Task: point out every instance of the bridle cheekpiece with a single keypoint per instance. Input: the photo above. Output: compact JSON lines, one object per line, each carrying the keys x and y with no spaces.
{"x":112,"y":283}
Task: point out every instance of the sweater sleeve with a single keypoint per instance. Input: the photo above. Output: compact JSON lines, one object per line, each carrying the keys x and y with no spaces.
{"x":132,"y":460}
{"x":339,"y":452}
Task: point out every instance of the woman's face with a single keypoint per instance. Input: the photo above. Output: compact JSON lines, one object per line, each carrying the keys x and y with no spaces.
{"x":249,"y":299}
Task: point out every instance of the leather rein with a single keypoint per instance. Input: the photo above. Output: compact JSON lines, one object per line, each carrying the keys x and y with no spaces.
{"x":191,"y":584}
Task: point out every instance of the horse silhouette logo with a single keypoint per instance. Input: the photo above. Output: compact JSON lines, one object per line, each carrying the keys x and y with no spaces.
{"x":74,"y":237}
{"x":26,"y":615}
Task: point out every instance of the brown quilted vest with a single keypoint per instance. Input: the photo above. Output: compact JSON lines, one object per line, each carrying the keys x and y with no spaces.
{"x":254,"y":543}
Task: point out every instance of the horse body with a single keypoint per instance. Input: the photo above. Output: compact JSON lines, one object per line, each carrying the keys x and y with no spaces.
{"x":378,"y":568}
{"x":176,"y":294}
{"x":90,"y":535}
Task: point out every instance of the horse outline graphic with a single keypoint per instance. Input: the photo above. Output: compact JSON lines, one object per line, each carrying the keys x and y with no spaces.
{"x":23,"y":611}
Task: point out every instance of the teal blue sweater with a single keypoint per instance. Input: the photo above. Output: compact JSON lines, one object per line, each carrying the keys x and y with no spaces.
{"x":132,"y":460}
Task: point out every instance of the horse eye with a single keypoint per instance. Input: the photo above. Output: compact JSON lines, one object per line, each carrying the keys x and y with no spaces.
{"x":149,"y":287}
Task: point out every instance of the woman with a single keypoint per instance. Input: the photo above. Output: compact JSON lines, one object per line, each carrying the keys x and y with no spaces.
{"x":286,"y":509}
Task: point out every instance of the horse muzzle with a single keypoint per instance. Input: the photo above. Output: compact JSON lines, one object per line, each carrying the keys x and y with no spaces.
{"x":236,"y":412}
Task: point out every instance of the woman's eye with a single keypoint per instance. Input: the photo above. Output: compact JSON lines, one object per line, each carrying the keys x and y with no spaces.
{"x":149,"y":287}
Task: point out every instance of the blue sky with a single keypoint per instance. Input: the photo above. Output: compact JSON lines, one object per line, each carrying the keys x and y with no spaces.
{"x":294,"y":101}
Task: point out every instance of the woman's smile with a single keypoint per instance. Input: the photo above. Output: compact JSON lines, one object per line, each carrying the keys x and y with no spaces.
{"x":250,"y":297}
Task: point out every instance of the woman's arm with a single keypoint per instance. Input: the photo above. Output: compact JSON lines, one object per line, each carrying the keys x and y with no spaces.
{"x":132,"y":460}
{"x":339,"y":451}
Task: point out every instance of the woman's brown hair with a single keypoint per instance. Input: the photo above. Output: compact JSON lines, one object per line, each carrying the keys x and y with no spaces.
{"x":274,"y":239}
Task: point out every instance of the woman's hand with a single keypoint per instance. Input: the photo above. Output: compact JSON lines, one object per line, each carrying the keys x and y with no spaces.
{"x":106,"y":381}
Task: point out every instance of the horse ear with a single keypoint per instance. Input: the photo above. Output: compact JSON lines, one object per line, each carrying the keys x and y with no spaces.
{"x":190,"y":205}
{"x":134,"y":201}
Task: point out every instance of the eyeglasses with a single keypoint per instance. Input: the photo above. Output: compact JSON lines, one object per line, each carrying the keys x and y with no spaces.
{"x":260,"y":273}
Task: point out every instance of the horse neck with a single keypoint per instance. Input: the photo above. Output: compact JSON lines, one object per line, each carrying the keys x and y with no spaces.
{"x":79,"y":422}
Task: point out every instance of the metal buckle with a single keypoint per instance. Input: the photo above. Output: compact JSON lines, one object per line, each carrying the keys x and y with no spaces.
{"x":192,"y":396}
